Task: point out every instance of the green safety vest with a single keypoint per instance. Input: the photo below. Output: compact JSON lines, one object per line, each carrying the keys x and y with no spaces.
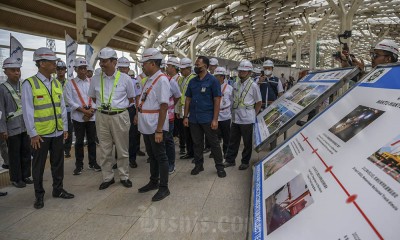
{"x":116,"y":80}
{"x":183,"y":84}
{"x":47,"y":108}
{"x":239,"y":96}
{"x":17,"y":101}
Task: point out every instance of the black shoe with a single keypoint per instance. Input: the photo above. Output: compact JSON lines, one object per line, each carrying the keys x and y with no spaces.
{"x":161,"y":194}
{"x":243,"y":166}
{"x":187,"y":156}
{"x":105,"y":185}
{"x":182,"y":151}
{"x":211,"y":155}
{"x":197,"y":169}
{"x":114,"y":166}
{"x":95,"y":167}
{"x":78,"y":171}
{"x":148,"y":160}
{"x":63,"y":194}
{"x":19,"y":184}
{"x":67,"y":155}
{"x":127,"y":183}
{"x":133,"y":164}
{"x":2,"y":194}
{"x":5,"y":166}
{"x":28,"y":181}
{"x":206,"y":150}
{"x":300,"y":123}
{"x":221,"y":173}
{"x":38,"y":203}
{"x":140,"y":153}
{"x":150,"y":186}
{"x":229,"y":164}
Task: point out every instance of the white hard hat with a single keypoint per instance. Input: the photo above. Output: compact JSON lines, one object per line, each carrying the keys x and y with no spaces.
{"x":97,"y":71}
{"x":89,"y":68}
{"x":388,"y":45}
{"x":107,"y":53}
{"x":11,"y":63}
{"x":220,"y":71}
{"x":163,"y":63}
{"x":186,"y":62}
{"x":268,"y":63}
{"x":151,"y":54}
{"x":61,"y":64}
{"x":214,"y":62}
{"x":257,"y":70}
{"x":245,"y":65}
{"x":80,"y":62}
{"x":131,"y":72}
{"x":173,"y":61}
{"x":123,"y":62}
{"x":44,"y":54}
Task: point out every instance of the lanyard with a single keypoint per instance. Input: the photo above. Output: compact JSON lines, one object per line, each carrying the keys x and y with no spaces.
{"x":145,"y":94}
{"x":116,"y":80}
{"x":241,"y":98}
{"x":80,"y":96}
{"x":223,"y":90}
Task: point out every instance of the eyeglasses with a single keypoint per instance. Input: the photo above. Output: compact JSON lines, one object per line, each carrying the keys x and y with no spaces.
{"x":376,"y":55}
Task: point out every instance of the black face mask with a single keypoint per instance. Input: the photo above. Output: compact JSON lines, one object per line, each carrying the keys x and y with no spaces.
{"x":197,"y":70}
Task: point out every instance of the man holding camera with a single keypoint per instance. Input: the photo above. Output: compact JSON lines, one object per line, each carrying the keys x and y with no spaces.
{"x":82,"y":114}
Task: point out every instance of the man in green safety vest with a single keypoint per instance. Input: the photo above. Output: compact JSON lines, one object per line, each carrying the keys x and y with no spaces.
{"x":45,"y":118}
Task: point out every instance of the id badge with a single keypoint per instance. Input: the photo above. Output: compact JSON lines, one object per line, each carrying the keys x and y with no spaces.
{"x":203,"y":89}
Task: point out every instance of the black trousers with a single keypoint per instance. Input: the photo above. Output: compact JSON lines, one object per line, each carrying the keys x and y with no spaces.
{"x":179,"y":129}
{"x":198,"y":132}
{"x":133,"y":135}
{"x":82,"y":129}
{"x":68,"y":141}
{"x":158,"y":159}
{"x":55,"y":146}
{"x":224,"y":130}
{"x":189,"y":141}
{"x":20,"y":157}
{"x":238,"y":131}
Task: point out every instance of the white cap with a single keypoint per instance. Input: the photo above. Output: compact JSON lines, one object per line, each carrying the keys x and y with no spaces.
{"x":44,"y":54}
{"x":214,"y":62}
{"x":61,"y":64}
{"x":268,"y":63}
{"x":97,"y":71}
{"x":388,"y":45}
{"x":123,"y":62}
{"x":257,"y":70}
{"x":80,"y":62}
{"x":107,"y":53}
{"x":89,"y":68}
{"x":245,"y":65}
{"x":220,"y":71}
{"x":151,"y":54}
{"x":186,"y":62}
{"x":131,"y":72}
{"x":173,"y":61}
{"x":11,"y":63}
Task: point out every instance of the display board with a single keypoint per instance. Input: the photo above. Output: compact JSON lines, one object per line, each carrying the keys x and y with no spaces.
{"x":339,"y":176}
{"x":297,"y":102}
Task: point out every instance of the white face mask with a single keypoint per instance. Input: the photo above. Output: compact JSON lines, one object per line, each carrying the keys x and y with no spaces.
{"x":268,"y":72}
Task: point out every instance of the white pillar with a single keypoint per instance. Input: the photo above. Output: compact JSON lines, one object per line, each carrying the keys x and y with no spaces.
{"x":81,"y":21}
{"x":313,"y":49}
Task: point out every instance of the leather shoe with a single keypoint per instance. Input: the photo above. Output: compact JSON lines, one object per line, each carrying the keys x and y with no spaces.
{"x":229,"y":164}
{"x":197,"y":169}
{"x":140,"y":153}
{"x":2,"y":194}
{"x":105,"y":185}
{"x":243,"y":166}
{"x":19,"y":184}
{"x":161,"y":194}
{"x":133,"y":164}
{"x":38,"y":203}
{"x":148,"y":187}
{"x":63,"y":194}
{"x":127,"y":183}
{"x":186,"y":156}
{"x":221,"y":173}
{"x":28,"y":181}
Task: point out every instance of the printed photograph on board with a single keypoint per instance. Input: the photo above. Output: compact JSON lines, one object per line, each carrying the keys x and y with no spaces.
{"x":355,"y":122}
{"x":276,"y":162}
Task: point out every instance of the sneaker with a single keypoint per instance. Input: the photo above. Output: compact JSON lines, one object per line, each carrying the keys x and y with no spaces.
{"x":197,"y":169}
{"x":78,"y":171}
{"x":95,"y":167}
{"x":171,"y":170}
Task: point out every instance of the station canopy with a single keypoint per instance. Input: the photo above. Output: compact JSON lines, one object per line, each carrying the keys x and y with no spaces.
{"x":236,"y":30}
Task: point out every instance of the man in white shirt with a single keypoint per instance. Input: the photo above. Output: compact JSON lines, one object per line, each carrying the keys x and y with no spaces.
{"x":246,"y":105}
{"x":153,"y":122}
{"x":113,"y":93}
{"x":82,"y":115}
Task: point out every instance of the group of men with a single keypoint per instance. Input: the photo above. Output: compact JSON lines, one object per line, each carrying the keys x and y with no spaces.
{"x":192,"y":101}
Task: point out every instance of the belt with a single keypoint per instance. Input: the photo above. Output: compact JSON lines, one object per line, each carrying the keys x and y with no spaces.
{"x":111,"y":112}
{"x":149,"y":111}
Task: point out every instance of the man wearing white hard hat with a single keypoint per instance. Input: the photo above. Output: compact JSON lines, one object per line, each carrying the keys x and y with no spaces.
{"x":153,"y":121}
{"x":82,"y":114}
{"x":246,"y":105}
{"x":225,"y":114}
{"x":386,"y":51}
{"x":270,"y":86}
{"x":213,"y":65}
{"x":61,"y":70}
{"x":12,"y":126}
{"x":113,"y":92}
{"x":185,"y":138}
{"x":123,"y":66}
{"x":172,"y":69}
{"x":45,"y":117}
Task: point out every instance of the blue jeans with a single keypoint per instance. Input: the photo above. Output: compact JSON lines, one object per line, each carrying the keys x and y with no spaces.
{"x":170,"y":146}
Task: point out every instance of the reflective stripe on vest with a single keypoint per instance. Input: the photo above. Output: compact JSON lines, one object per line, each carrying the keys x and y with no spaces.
{"x":238,"y":100}
{"x":17,"y":101}
{"x":47,"y":108}
{"x":183,"y":84}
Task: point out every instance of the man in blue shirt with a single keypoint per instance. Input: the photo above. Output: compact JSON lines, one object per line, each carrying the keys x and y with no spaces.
{"x":203,"y":97}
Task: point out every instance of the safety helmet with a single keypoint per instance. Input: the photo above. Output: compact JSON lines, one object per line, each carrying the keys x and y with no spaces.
{"x":173,"y":61}
{"x":151,"y":54}
{"x":257,"y":70}
{"x":80,"y":62}
{"x":123,"y":62}
{"x":186,"y":62}
{"x":44,"y":54}
{"x":11,"y":63}
{"x":107,"y":53}
{"x":245,"y":65}
{"x":220,"y":71}
{"x":214,"y":62}
{"x":268,"y":63}
{"x":388,"y":45}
